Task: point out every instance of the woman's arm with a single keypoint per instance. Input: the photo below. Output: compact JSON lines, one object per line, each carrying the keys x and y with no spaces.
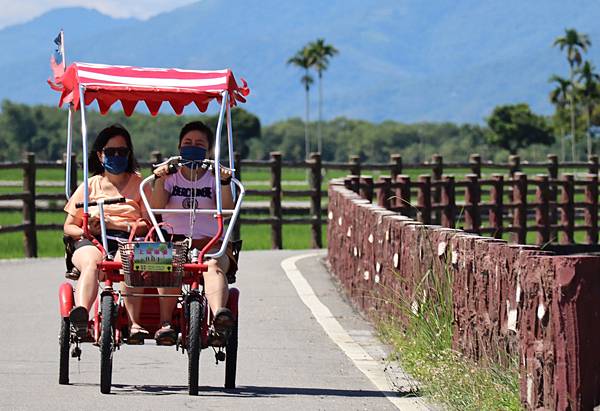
{"x":226,"y":195}
{"x":72,"y":226}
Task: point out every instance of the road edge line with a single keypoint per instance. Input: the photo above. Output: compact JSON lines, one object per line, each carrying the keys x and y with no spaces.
{"x":370,"y":367}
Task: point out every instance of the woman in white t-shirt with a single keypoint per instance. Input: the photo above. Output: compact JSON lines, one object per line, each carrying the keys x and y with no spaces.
{"x":178,"y":190}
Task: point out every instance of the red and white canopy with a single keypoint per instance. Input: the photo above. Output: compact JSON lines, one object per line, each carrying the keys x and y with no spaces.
{"x":107,"y":84}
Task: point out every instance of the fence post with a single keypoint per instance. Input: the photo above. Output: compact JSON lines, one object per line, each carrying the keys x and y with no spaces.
{"x":275,"y":205}
{"x":449,"y":202}
{"x":475,"y":164}
{"x":514,"y":164}
{"x":437,"y":170}
{"x":590,"y":213}
{"x":497,"y":205}
{"x":156,"y":156}
{"x":403,"y":194}
{"x":384,"y":194}
{"x":315,"y":199}
{"x":355,"y":165}
{"x":396,"y":166}
{"x":354,"y":183}
{"x":30,"y":233}
{"x":472,"y":199}
{"x":552,"y":195}
{"x":593,"y":164}
{"x":366,"y":188}
{"x":568,"y":209}
{"x":541,"y":209}
{"x":237,"y":157}
{"x":519,"y":196}
{"x":424,"y":198}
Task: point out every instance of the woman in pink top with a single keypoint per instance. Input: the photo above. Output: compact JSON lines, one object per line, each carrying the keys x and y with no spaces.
{"x":114,"y":169}
{"x":195,"y":184}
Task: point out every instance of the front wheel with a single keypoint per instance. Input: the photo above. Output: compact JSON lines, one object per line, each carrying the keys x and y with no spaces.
{"x":64,"y":341}
{"x":231,"y":357}
{"x":193,"y":345}
{"x":106,"y":343}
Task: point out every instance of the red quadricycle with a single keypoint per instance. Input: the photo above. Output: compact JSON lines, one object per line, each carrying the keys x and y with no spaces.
{"x":175,"y":264}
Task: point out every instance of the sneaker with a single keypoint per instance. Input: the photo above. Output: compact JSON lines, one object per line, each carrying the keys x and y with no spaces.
{"x":79,"y":321}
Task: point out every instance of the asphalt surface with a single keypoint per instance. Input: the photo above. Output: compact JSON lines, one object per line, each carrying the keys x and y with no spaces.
{"x":285,"y":360}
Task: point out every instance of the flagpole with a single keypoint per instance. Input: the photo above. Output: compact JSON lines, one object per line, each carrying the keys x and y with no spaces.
{"x":62,"y":49}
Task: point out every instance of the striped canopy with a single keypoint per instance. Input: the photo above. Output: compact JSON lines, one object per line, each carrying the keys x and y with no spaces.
{"x":129,"y":85}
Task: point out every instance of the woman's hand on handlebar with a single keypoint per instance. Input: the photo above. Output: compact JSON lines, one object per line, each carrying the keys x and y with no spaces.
{"x":94,"y":226}
{"x":161,"y":171}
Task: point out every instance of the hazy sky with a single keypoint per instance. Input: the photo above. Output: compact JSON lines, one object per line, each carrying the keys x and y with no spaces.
{"x":19,"y":11}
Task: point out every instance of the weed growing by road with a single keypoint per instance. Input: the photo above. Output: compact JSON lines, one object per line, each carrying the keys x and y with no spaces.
{"x":422,"y":342}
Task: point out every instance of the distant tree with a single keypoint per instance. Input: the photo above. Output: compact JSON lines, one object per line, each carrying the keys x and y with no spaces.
{"x":304,"y":60}
{"x":560,"y":98}
{"x":515,"y":126}
{"x":588,"y":83}
{"x":321,"y":53}
{"x":575,"y":43}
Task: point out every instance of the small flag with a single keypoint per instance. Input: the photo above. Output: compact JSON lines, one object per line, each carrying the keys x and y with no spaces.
{"x":57,"y":63}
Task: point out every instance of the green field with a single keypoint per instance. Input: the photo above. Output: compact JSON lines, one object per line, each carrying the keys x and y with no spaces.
{"x":255,"y":236}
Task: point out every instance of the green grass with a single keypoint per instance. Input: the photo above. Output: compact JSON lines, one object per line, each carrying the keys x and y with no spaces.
{"x":423,"y":346}
{"x":256,"y":237}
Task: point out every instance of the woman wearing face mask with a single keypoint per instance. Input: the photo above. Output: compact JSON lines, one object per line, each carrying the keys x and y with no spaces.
{"x":114,"y":174}
{"x":177,"y":191}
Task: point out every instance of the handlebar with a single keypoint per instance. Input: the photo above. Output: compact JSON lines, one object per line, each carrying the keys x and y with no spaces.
{"x":106,"y":202}
{"x":176,"y":162}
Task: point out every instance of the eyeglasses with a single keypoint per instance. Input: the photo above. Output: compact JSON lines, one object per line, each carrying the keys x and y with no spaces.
{"x":116,"y":151}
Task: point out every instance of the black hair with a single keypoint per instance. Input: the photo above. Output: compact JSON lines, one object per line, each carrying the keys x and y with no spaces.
{"x":201,"y":127}
{"x":94,"y":164}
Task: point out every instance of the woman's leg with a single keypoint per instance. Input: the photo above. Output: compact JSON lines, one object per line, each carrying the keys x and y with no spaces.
{"x":215,"y":282}
{"x":133,"y":304}
{"x":167,"y":304}
{"x":86,"y":259}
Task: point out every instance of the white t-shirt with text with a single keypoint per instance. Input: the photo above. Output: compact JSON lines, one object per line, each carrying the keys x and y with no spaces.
{"x":180,"y":191}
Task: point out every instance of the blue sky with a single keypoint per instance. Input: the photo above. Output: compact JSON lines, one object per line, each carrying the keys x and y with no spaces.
{"x":14,"y":12}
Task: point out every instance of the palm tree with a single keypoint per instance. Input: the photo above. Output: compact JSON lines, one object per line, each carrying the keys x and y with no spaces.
{"x":321,"y":53}
{"x":560,"y":98}
{"x":304,"y":60}
{"x":588,"y":90}
{"x":575,"y":43}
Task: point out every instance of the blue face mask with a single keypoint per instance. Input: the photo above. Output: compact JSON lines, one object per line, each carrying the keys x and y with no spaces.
{"x":193,"y":153}
{"x":115,"y":164}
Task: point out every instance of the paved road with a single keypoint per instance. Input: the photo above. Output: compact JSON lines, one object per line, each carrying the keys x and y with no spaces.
{"x":286,"y":360}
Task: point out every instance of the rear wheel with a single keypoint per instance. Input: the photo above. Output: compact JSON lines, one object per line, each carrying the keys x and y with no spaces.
{"x":231,"y":357}
{"x":64,"y":340}
{"x":193,"y":346}
{"x":106,"y":343}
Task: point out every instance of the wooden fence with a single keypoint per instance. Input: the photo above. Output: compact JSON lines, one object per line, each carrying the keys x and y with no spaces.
{"x":516,"y":204}
{"x":435,"y":194}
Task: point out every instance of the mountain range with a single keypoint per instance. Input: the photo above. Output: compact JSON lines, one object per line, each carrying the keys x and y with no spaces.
{"x":405,"y":60}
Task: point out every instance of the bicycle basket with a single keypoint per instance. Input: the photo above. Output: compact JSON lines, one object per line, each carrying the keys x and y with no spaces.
{"x":153,"y":264}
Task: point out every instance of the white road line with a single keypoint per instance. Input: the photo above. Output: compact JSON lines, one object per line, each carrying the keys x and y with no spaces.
{"x":371,"y":368}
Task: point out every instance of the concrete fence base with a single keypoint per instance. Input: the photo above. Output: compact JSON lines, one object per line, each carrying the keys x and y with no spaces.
{"x":508,"y":300}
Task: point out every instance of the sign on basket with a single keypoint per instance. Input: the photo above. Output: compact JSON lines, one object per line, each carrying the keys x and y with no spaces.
{"x":153,"y":257}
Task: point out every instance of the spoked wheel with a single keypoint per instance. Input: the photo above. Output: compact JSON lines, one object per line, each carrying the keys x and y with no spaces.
{"x":106,"y":343}
{"x":231,"y":357}
{"x":64,"y":340}
{"x":193,"y":346}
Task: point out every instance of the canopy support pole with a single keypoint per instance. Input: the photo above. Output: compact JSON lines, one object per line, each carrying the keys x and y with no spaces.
{"x":69,"y":152}
{"x":230,"y":147}
{"x":85,"y":152}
